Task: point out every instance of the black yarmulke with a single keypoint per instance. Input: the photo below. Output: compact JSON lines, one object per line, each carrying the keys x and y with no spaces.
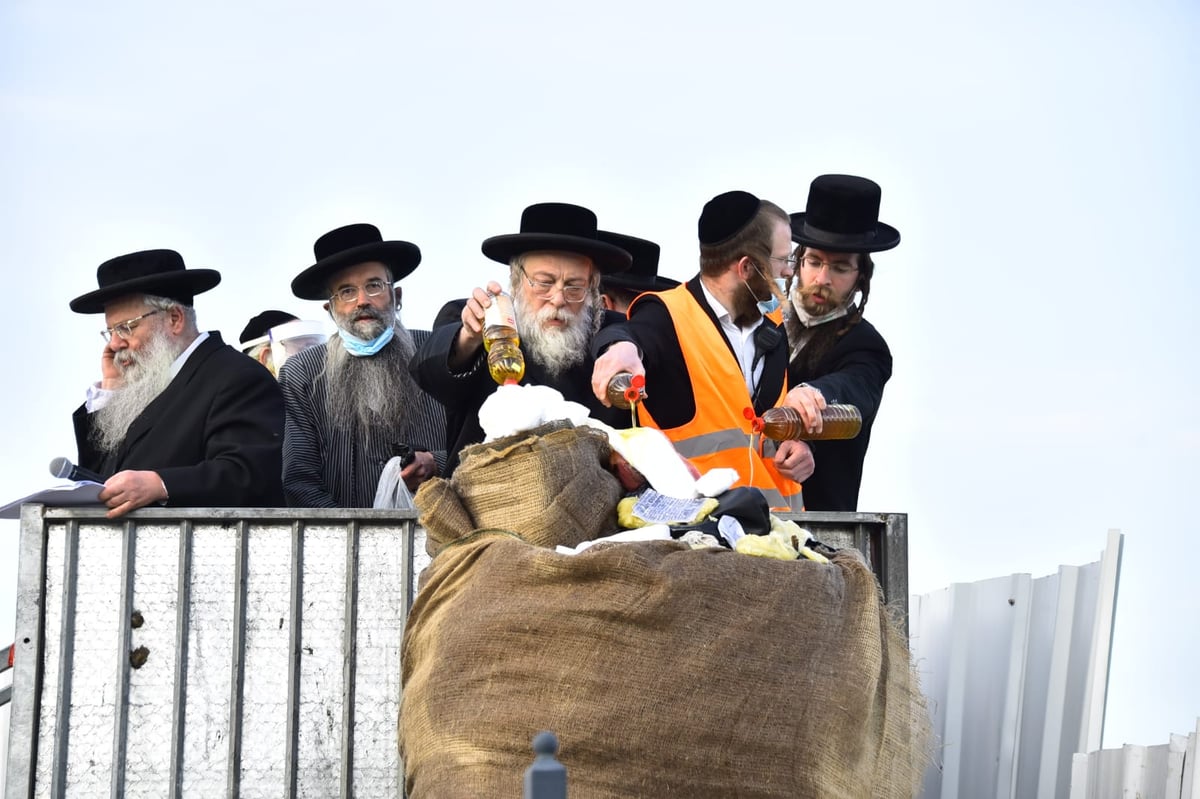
{"x":258,"y":326}
{"x":725,"y":215}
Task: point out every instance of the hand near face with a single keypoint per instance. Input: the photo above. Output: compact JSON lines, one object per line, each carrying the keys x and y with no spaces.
{"x":130,"y":490}
{"x":110,"y":375}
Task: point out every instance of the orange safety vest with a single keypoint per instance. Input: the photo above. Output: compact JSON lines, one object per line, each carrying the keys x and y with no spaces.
{"x":719,"y":434}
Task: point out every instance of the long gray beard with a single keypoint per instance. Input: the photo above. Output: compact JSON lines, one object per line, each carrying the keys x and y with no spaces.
{"x":145,"y":379}
{"x":372,"y":396}
{"x":556,"y":349}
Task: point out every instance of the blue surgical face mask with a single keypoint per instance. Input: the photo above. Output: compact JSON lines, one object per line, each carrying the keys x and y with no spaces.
{"x":770,"y":305}
{"x":361,"y":348}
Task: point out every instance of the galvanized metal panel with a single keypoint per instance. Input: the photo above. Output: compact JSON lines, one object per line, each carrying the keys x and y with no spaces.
{"x":882,"y":538}
{"x":267,"y":648}
{"x":271,"y":642}
{"x":1015,"y":669}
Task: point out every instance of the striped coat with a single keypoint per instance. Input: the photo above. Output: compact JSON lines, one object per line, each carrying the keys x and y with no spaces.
{"x":328,"y":468}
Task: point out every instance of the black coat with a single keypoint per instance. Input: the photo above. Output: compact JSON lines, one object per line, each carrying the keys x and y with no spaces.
{"x":214,"y":434}
{"x":463,"y":394}
{"x":854,"y":371}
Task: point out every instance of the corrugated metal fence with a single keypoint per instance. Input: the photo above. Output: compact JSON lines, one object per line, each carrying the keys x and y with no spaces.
{"x":1016,"y":672}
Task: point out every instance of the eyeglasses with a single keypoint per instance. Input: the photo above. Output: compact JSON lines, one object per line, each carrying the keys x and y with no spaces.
{"x":125,"y":329}
{"x":789,"y":260}
{"x":372,"y":288}
{"x":546,"y":289}
{"x":836,"y":267}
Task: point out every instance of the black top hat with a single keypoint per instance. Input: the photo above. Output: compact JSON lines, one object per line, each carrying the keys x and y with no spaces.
{"x":643,"y":274}
{"x":558,"y":227}
{"x":157,"y":272}
{"x":725,"y":215}
{"x":843,"y":216}
{"x":258,"y":326}
{"x":350,"y":245}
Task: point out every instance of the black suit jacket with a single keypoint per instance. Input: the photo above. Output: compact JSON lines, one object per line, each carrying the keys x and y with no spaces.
{"x":854,"y":371}
{"x":214,"y":434}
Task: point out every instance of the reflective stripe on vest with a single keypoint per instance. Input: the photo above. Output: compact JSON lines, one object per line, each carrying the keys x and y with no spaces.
{"x":718,"y":435}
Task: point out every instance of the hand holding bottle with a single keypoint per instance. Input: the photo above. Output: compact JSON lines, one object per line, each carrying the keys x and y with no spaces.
{"x":620,"y":357}
{"x":470,"y":336}
{"x":809,"y":402}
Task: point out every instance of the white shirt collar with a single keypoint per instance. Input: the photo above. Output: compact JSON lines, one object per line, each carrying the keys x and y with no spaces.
{"x":178,"y":363}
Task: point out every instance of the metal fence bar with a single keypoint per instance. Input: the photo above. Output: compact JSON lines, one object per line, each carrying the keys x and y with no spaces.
{"x":238,"y":666}
{"x":349,"y":659}
{"x":182,"y":630}
{"x":295,"y":608}
{"x":25,"y":713}
{"x":66,"y":659}
{"x":125,"y":634}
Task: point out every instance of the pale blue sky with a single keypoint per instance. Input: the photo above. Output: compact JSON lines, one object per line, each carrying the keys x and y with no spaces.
{"x":1038,"y":159}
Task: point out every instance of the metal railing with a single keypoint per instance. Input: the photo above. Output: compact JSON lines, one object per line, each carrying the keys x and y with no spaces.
{"x":237,"y":652}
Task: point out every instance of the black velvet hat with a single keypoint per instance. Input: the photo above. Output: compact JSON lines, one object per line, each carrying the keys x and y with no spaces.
{"x":157,"y":272}
{"x":348,"y":246}
{"x":725,"y":215}
{"x":258,"y":326}
{"x":843,"y":216}
{"x":558,"y":227}
{"x":643,"y":274}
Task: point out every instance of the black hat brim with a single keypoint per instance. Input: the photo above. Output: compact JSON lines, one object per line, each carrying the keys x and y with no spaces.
{"x":179,"y":285}
{"x":633,"y":282}
{"x":883,"y":237}
{"x":608,"y":258}
{"x":400,"y":257}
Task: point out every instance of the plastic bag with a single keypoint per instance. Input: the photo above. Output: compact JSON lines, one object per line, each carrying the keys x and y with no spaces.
{"x":392,"y":492}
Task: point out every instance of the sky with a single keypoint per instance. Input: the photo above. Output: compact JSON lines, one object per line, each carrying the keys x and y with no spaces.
{"x":1038,"y":158}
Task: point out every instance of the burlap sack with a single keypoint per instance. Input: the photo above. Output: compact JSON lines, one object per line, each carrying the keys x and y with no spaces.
{"x":664,"y":671}
{"x":549,"y":486}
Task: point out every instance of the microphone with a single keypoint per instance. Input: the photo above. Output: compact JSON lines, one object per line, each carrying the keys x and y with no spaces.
{"x":61,"y":467}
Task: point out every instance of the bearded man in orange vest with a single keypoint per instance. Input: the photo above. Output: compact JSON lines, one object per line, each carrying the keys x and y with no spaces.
{"x":715,"y":346}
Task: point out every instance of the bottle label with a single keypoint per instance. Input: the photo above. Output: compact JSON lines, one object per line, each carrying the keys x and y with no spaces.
{"x":500,"y":313}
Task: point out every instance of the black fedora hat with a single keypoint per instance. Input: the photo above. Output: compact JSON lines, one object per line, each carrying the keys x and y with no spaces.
{"x":643,"y":274}
{"x":157,"y":272}
{"x":258,"y":325}
{"x":350,"y":245}
{"x":842,"y":215}
{"x":558,"y":227}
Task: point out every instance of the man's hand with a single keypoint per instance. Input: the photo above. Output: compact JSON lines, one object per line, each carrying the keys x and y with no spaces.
{"x":110,"y":375}
{"x":470,"y":337}
{"x":809,"y":402}
{"x":794,"y":459}
{"x":130,"y":490}
{"x":421,"y":469}
{"x":620,"y":357}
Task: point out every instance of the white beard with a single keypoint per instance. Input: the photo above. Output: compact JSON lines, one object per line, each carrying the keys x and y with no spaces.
{"x":146,"y":373}
{"x":555,"y":349}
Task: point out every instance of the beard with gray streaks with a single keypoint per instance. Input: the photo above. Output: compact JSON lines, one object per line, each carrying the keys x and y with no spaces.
{"x":371,"y":395}
{"x":145,"y":373}
{"x":556,"y":348}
